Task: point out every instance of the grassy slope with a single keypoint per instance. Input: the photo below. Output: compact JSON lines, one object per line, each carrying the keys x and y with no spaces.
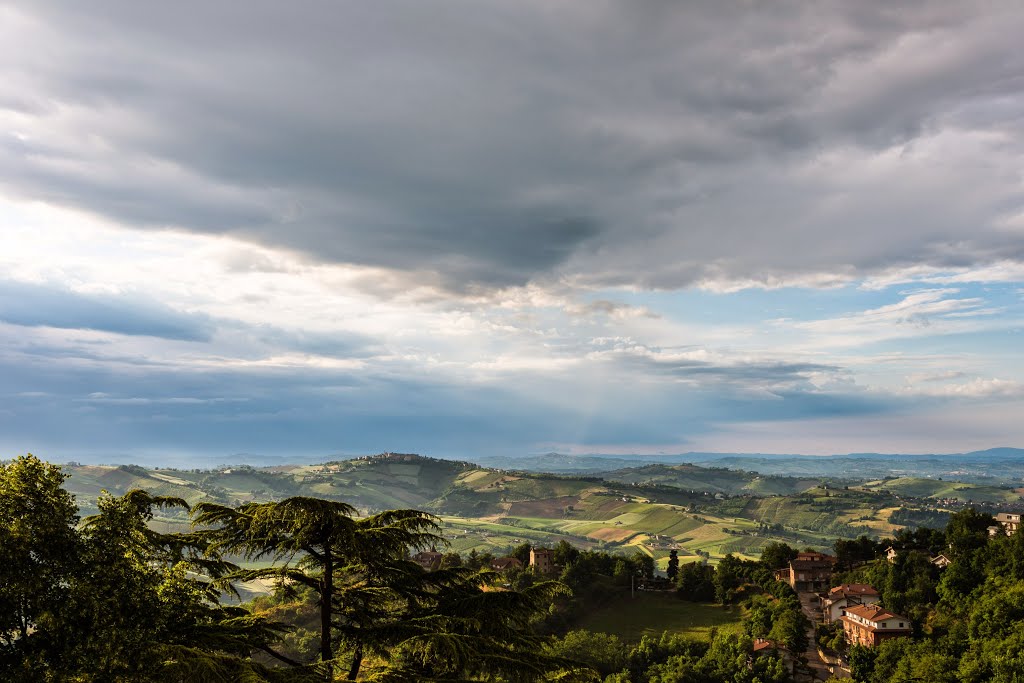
{"x":652,"y":613}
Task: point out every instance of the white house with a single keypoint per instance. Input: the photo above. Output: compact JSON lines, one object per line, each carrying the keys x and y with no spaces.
{"x":847,"y":595}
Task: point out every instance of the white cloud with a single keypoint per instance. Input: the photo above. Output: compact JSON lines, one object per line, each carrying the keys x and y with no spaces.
{"x":923,"y":312}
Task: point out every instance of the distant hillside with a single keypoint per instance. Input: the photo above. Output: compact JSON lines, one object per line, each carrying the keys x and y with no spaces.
{"x":713,"y":479}
{"x":932,"y":488}
{"x":369,"y":483}
{"x":697,"y":510}
{"x":996,"y":466}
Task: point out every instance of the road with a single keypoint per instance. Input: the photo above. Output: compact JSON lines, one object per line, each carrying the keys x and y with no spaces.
{"x":819,"y":669}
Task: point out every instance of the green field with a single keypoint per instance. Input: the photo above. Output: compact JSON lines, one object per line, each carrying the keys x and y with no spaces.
{"x":650,"y":614}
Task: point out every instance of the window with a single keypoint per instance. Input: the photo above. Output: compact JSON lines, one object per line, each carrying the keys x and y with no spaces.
{"x":901,"y":624}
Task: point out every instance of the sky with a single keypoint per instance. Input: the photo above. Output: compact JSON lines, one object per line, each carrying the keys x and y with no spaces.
{"x":470,"y":227}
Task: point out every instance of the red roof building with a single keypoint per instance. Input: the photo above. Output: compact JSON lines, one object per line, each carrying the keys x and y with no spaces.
{"x":847,"y":595}
{"x":869,"y":625}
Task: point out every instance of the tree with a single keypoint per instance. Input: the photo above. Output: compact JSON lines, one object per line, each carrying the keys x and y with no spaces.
{"x":144,"y":599}
{"x":40,"y":554}
{"x":467,"y":628}
{"x":862,"y":662}
{"x":314,"y":543}
{"x":449,"y":560}
{"x":727,"y":578}
{"x":605,"y":653}
{"x":643,"y":563}
{"x":149,"y":603}
{"x":673,"y":566}
{"x":777,"y":555}
{"x":696,"y":582}
{"x":849,"y":553}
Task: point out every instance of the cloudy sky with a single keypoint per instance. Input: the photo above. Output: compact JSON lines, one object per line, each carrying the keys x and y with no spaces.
{"x":471,"y":227}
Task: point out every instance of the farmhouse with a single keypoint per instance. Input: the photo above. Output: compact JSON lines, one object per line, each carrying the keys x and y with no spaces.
{"x":543,"y":561}
{"x":808,"y":572}
{"x":1009,"y":521}
{"x":869,"y":625}
{"x":428,"y":559}
{"x":503,"y":564}
{"x":844,"y":596}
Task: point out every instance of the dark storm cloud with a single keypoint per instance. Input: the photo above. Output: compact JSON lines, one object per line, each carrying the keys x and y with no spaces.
{"x":495,"y":143}
{"x":44,"y":306}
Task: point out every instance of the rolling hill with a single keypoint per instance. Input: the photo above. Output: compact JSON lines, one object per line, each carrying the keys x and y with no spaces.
{"x":697,"y":511}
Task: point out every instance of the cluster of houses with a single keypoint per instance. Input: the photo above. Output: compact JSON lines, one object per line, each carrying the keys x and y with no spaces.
{"x":853,"y":605}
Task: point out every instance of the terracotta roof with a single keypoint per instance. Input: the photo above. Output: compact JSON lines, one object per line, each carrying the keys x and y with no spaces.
{"x":852,"y":589}
{"x":761,"y":644}
{"x":873,"y":613}
{"x":815,"y":556}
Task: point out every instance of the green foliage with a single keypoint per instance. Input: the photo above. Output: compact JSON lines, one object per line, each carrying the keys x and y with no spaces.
{"x":40,"y":548}
{"x":849,"y":553}
{"x":112,"y":600}
{"x":674,"y":659}
{"x":605,"y":653}
{"x":672,"y":570}
{"x":830,"y":637}
{"x":779,"y":620}
{"x":776,"y":555}
{"x":968,"y":617}
{"x":696,"y":582}
{"x":862,"y":662}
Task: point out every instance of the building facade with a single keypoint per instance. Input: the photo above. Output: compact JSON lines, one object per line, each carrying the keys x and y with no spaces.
{"x":847,"y":595}
{"x":543,"y":561}
{"x":809,"y":572}
{"x":869,"y":625}
{"x":1010,"y":521}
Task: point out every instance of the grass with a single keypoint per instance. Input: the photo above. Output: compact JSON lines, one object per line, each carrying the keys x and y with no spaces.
{"x":650,"y":614}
